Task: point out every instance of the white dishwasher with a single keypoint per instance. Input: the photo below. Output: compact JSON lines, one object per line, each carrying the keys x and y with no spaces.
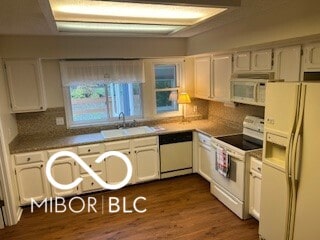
{"x":175,"y":154}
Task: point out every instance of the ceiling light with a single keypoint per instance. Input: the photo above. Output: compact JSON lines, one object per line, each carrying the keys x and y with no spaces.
{"x":127,"y":12}
{"x":116,"y":28}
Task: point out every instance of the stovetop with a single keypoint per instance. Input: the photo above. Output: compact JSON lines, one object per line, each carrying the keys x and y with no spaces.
{"x":242,"y":141}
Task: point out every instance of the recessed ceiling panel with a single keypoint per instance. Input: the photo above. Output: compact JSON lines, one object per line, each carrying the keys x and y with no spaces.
{"x":100,"y":12}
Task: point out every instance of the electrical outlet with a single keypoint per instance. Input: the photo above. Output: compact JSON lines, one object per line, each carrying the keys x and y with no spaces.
{"x":195,"y":109}
{"x":59,"y":121}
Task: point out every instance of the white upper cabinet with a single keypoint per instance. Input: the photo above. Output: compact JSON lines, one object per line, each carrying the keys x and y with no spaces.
{"x":287,"y":63}
{"x":222,"y":70}
{"x":261,"y":60}
{"x":26,"y":86}
{"x":202,"y":77}
{"x":312,"y":57}
{"x":241,"y":61}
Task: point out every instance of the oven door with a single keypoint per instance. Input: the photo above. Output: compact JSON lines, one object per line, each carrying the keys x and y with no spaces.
{"x":244,"y":91}
{"x":234,"y":184}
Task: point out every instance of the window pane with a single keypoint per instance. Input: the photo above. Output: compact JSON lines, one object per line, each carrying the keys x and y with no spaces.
{"x":125,"y":98}
{"x":88,"y":103}
{"x":165,"y":76}
{"x":103,"y":102}
{"x":165,"y":102}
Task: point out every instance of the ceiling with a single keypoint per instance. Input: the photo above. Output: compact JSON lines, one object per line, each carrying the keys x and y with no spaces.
{"x":34,"y":17}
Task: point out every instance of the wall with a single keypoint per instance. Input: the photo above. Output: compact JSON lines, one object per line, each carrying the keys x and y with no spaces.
{"x":8,"y":130}
{"x":234,"y":116}
{"x":287,"y":20}
{"x":56,"y":47}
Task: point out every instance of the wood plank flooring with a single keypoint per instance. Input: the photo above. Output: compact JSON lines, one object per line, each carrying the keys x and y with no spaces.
{"x":177,"y":208}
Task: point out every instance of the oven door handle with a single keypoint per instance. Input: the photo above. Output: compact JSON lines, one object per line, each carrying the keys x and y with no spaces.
{"x":236,"y":156}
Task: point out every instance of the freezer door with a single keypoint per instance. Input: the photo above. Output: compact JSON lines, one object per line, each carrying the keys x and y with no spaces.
{"x":281,"y":106}
{"x":274,"y":202}
{"x":307,"y":215}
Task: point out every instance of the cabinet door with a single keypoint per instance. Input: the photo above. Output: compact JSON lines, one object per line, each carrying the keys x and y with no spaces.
{"x":64,"y":171}
{"x":222,"y":66}
{"x":241,"y":61}
{"x":202,"y":78}
{"x":25,"y":85}
{"x":116,"y":169}
{"x":147,"y":163}
{"x":32,"y":182}
{"x":206,"y":161}
{"x":261,"y":60}
{"x":287,"y":63}
{"x":255,"y":194}
{"x":312,"y":57}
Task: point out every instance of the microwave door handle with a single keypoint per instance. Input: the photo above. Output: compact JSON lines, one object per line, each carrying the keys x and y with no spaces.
{"x":255,"y":91}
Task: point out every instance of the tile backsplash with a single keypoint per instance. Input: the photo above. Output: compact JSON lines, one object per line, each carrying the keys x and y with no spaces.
{"x":233,"y":115}
{"x":45,"y":122}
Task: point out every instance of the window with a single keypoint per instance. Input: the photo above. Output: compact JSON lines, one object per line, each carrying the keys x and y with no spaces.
{"x":166,"y":87}
{"x":101,"y":103}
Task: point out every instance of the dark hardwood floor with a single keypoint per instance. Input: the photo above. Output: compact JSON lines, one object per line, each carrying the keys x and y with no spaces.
{"x":177,"y":208}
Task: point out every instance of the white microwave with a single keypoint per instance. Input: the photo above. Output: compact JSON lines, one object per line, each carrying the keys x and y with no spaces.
{"x":249,"y":91}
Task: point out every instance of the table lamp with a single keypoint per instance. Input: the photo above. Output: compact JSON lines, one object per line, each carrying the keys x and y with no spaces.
{"x":184,"y":99}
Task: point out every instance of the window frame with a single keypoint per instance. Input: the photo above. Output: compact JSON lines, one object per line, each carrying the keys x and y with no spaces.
{"x":110,"y":121}
{"x":179,"y":64}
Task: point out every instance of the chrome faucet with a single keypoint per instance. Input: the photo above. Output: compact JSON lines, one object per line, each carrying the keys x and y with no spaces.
{"x":123,"y":119}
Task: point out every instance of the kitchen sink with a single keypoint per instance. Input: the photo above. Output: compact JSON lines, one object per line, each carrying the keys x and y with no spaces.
{"x":123,"y":132}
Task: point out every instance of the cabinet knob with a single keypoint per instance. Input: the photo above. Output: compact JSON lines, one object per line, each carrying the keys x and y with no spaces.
{"x":89,"y":150}
{"x":259,"y":168}
{"x":28,"y":159}
{"x":41,"y":165}
{"x":90,"y":165}
{"x":129,"y":152}
{"x":92,"y":183}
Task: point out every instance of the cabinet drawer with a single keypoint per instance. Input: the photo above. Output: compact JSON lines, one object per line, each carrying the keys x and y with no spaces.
{"x":118,"y":145}
{"x":89,"y":184}
{"x":256,"y":165}
{"x":142,"y":142}
{"x":29,"y":158}
{"x":90,"y":149}
{"x":51,"y":152}
{"x":204,"y":139}
{"x":90,"y":160}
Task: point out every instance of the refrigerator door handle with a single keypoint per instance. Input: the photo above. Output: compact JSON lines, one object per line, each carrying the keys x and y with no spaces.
{"x":298,"y":159}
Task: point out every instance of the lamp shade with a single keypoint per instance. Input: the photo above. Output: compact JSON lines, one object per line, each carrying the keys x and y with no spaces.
{"x":184,"y":98}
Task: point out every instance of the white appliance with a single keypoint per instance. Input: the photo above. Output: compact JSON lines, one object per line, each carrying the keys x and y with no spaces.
{"x":291,"y":163}
{"x":233,"y":191}
{"x":175,"y":154}
{"x":250,"y":88}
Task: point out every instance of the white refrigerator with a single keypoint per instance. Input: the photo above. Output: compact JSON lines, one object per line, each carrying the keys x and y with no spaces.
{"x":290,"y":189}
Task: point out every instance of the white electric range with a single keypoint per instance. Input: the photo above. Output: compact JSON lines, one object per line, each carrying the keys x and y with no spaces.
{"x":233,"y":190}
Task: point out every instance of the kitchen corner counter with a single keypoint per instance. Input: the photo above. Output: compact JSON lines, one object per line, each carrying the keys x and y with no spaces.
{"x":28,"y":143}
{"x":257,"y":154}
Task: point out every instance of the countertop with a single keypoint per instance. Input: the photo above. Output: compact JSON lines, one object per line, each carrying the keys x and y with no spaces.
{"x":39,"y":142}
{"x":257,"y":154}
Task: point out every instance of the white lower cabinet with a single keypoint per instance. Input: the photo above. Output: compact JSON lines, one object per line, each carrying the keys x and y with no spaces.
{"x":255,"y":187}
{"x":89,"y":184}
{"x":32,"y":182}
{"x":147,"y":163}
{"x":116,"y":169}
{"x":64,"y":171}
{"x":205,"y":156}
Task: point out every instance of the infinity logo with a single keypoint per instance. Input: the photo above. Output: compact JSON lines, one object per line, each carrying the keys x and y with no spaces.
{"x":89,"y":170}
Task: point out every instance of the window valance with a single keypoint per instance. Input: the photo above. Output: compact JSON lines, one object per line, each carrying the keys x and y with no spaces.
{"x":106,"y":71}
